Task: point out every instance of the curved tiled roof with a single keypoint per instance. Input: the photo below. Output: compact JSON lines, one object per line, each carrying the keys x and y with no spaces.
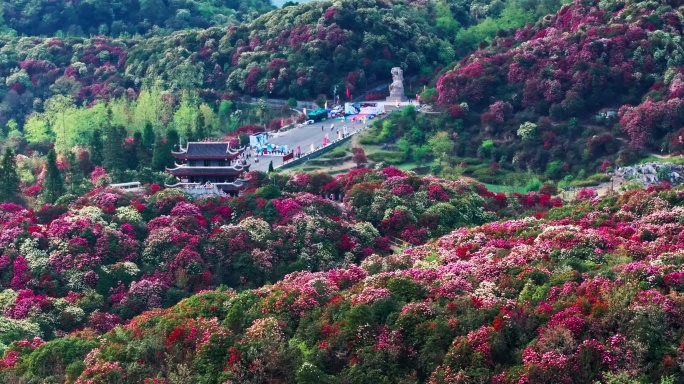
{"x":184,"y":170}
{"x":207,"y":150}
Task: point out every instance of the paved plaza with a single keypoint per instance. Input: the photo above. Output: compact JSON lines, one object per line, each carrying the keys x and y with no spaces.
{"x":306,"y":135}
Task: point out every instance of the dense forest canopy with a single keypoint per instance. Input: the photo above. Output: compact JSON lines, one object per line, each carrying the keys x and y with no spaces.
{"x":123,"y":17}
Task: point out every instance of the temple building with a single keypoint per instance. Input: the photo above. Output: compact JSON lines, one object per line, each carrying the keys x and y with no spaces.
{"x":209,"y":168}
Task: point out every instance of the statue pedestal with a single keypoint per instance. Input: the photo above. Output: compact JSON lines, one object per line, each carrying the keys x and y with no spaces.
{"x":400,"y":98}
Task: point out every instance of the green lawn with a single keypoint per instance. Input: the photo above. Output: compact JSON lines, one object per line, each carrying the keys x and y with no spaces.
{"x":505,"y":188}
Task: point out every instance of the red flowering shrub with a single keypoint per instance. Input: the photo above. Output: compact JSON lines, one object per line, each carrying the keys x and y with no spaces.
{"x":456,"y":111}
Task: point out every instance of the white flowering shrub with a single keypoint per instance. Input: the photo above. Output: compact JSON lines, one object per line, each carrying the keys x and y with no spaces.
{"x":128,"y":215}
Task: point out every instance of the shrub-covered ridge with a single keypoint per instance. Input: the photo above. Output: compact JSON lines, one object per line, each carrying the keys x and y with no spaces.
{"x":100,"y":259}
{"x":590,"y":293}
{"x":567,"y":90}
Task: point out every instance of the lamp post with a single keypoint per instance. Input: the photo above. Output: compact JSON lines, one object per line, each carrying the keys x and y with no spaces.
{"x":335,"y":95}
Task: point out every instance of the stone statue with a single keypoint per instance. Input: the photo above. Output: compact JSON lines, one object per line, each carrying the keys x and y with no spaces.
{"x":397,"y":87}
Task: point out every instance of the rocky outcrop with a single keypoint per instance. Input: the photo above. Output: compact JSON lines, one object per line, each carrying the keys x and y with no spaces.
{"x":653,"y":173}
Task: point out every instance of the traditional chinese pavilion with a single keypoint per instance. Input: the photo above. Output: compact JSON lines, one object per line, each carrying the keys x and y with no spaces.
{"x":208,"y":168}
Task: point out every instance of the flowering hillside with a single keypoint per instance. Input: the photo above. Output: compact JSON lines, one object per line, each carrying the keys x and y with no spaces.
{"x":299,"y":51}
{"x":591,"y":293}
{"x":107,"y":256}
{"x":590,"y":55}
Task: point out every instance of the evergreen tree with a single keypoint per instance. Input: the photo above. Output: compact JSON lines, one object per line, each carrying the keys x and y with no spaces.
{"x":172,"y":140}
{"x":148,"y":136}
{"x":54,"y":183}
{"x":9,"y":179}
{"x":158,"y":157}
{"x":130,"y":150}
{"x":200,"y":132}
{"x":74,"y":175}
{"x":113,"y":149}
{"x":96,"y":147}
{"x":142,"y":154}
{"x":161,"y":155}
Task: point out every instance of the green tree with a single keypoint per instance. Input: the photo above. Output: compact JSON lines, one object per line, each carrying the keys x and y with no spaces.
{"x":387,"y":131}
{"x":225,"y":109}
{"x":148,"y":135}
{"x":53,"y":187}
{"x":161,"y":155}
{"x":292,"y":102}
{"x":210,"y":118}
{"x":405,"y":147}
{"x":512,"y":17}
{"x":37,"y":130}
{"x":158,"y":157}
{"x":131,"y":151}
{"x":61,"y":113}
{"x":150,"y":107}
{"x":485,"y":149}
{"x":142,"y":153}
{"x":419,"y":153}
{"x":200,"y":131}
{"x":78,"y":184}
{"x":113,"y":153}
{"x":172,"y":139}
{"x":185,"y":117}
{"x":95,"y":148}
{"x":441,"y":145}
{"x":9,"y":178}
{"x":445,"y":19}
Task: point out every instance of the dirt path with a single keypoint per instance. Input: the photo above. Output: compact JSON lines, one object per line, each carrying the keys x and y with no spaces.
{"x":469,"y":179}
{"x":355,"y":141}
